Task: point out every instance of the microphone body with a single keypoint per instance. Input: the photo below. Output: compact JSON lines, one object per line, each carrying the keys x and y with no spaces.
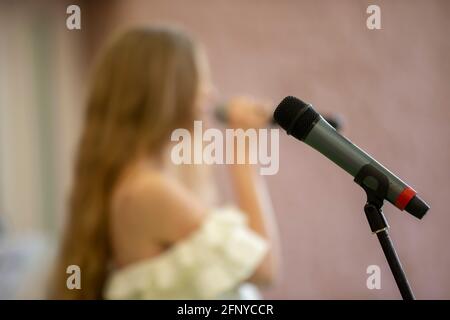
{"x":301,"y":121}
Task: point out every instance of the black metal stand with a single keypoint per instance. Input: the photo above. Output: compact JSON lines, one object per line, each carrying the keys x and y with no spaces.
{"x":379,"y":225}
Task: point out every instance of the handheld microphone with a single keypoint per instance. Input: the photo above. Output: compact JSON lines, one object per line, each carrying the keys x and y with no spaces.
{"x":302,"y":122}
{"x":220,"y":113}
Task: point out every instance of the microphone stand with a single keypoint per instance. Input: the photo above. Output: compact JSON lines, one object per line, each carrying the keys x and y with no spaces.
{"x":378,"y":223}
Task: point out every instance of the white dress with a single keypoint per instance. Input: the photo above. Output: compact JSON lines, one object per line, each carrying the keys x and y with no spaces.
{"x":212,"y":263}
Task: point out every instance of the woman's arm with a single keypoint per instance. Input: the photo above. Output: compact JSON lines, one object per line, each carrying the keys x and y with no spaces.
{"x":251,"y":192}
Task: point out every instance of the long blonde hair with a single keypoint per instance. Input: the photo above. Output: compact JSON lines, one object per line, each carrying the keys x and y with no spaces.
{"x":145,"y":85}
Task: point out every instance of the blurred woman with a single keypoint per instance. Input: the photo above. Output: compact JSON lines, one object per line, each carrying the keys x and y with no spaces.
{"x":135,"y":229}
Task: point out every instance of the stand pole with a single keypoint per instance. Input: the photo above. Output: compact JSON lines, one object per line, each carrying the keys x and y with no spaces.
{"x":376,"y":186}
{"x":379,"y":226}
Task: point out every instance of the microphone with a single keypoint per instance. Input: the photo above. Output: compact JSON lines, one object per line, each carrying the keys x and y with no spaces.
{"x":302,"y":122}
{"x":220,"y":113}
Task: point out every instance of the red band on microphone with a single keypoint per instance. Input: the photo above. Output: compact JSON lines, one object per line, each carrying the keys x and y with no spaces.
{"x":404,"y":197}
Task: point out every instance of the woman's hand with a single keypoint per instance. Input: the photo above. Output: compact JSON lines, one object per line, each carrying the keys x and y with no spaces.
{"x":246,"y":112}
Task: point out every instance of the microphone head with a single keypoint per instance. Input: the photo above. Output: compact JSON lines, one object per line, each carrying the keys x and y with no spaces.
{"x":220,"y":113}
{"x":296,"y":117}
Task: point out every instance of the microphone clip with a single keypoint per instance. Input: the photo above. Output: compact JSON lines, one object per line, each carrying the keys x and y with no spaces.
{"x":376,"y":185}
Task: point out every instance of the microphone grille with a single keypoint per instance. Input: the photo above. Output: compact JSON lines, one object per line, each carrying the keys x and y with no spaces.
{"x":295,"y":116}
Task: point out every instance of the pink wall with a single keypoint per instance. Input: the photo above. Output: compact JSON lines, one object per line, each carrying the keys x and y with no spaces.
{"x":392,"y":88}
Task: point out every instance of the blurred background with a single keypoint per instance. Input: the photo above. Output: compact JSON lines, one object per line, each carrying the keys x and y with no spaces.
{"x":391,"y":86}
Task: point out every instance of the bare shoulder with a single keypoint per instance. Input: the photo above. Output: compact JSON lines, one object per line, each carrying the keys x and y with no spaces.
{"x":156,"y":204}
